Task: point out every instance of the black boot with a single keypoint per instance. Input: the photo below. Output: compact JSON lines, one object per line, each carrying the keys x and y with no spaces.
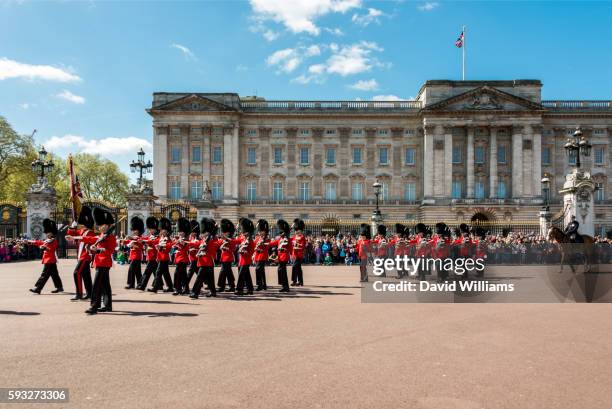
{"x":76,"y":298}
{"x":35,"y":290}
{"x":91,"y":311}
{"x":58,"y":290}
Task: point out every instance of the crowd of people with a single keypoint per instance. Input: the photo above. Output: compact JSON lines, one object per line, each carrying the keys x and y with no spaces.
{"x":17,"y":249}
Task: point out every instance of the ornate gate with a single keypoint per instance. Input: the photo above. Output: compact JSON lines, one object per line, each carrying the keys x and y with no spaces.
{"x":174,"y":210}
{"x":12,"y":220}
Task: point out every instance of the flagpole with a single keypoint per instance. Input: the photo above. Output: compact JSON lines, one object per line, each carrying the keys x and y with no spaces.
{"x":463,"y":54}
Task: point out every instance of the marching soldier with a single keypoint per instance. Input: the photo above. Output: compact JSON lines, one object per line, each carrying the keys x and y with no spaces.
{"x":135,"y":245}
{"x":298,"y":242}
{"x":441,"y":243}
{"x":207,"y":252}
{"x":150,"y":240}
{"x":400,"y":244}
{"x":363,"y":250}
{"x":422,"y":247}
{"x":49,"y":258}
{"x":284,"y":248}
{"x":82,"y":271}
{"x":262,"y":244}
{"x":227,"y":245}
{"x":163,"y":245}
{"x":381,"y":244}
{"x":181,"y":257}
{"x":245,"y":256}
{"x":194,"y":238}
{"x":103,"y":247}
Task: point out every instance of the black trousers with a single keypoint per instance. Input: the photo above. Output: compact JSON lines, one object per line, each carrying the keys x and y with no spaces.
{"x":134,"y":274}
{"x":244,"y":280}
{"x":205,"y":275}
{"x":102,"y":289}
{"x":193,"y":269}
{"x":82,"y":276}
{"x":49,"y":270}
{"x":283,"y":280}
{"x":149,"y":270}
{"x":297,"y":276}
{"x":363,"y":269}
{"x":260,"y":275}
{"x":226,"y":275}
{"x":180,"y":277}
{"x":162,"y":274}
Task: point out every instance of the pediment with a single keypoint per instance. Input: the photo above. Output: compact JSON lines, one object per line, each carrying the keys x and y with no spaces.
{"x":194,"y":103}
{"x":485,"y":98}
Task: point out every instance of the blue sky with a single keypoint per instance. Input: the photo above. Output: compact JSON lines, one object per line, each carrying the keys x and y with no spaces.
{"x":82,"y":73}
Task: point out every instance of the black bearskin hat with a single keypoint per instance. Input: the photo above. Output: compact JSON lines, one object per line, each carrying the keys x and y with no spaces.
{"x":208,"y":225}
{"x":195,"y":227}
{"x":441,"y":228}
{"x":183,"y":226}
{"x":381,"y":229}
{"x":101,"y":217}
{"x":283,"y":227}
{"x":86,"y":218}
{"x":262,"y":225}
{"x":447,"y":232}
{"x":246,"y":226}
{"x":480,"y":232}
{"x":420,"y":228}
{"x":464,"y":228}
{"x":165,"y":224}
{"x":366,"y":231}
{"x":298,"y":224}
{"x":400,"y":229}
{"x":49,"y":226}
{"x":136,"y":223}
{"x":227,"y":227}
{"x":152,"y":223}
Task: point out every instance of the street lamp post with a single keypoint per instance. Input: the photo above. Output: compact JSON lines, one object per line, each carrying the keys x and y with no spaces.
{"x":546,"y":192}
{"x":376,"y":215}
{"x":141,"y":167}
{"x":42,"y":166}
{"x":577,"y":146}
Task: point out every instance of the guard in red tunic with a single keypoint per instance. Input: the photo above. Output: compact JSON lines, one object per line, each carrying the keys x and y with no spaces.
{"x":400,"y":245}
{"x":284,"y":248}
{"x":164,"y":244}
{"x":103,"y":246}
{"x":422,"y":248}
{"x":227,"y":244}
{"x":381,"y":244}
{"x":298,"y":242}
{"x":207,"y":252}
{"x":480,"y":244}
{"x":262,"y":245}
{"x":82,"y":271}
{"x":194,"y":238}
{"x":151,"y":242}
{"x":441,"y":244}
{"x":49,"y":258}
{"x":363,"y":250}
{"x":246,"y":247}
{"x":136,"y":246}
{"x":181,"y":256}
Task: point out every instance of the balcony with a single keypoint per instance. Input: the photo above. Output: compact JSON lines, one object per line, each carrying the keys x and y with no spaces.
{"x":365,"y":202}
{"x":330,"y":106}
{"x":568,"y":105}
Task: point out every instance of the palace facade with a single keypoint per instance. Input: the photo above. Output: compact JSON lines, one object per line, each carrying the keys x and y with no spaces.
{"x":461,"y":150}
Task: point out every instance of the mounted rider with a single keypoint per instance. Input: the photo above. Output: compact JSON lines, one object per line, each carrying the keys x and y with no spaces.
{"x":571,"y":230}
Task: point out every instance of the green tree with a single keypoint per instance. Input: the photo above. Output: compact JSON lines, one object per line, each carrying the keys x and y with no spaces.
{"x":16,"y":155}
{"x":100,"y":179}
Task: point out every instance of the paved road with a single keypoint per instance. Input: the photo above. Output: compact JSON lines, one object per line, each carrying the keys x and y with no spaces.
{"x":317,"y":347}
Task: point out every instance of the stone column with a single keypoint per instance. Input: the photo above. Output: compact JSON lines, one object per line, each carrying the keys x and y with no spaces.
{"x":470,"y":162}
{"x":291,"y":189}
{"x":185,"y":159}
{"x":493,"y":164}
{"x":344,"y":160}
{"x":160,"y":161}
{"x":139,"y":204}
{"x":228,"y":167}
{"x":40,"y":204}
{"x":206,"y":156}
{"x":428,"y":158}
{"x":448,"y":161}
{"x":517,"y":161}
{"x":317,"y":162}
{"x":235,"y":155}
{"x":263,"y":190}
{"x":537,"y":160}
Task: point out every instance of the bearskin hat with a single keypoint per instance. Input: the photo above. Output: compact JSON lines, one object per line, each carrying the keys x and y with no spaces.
{"x":400,"y":229}
{"x":505,"y":232}
{"x":420,"y":228}
{"x":441,"y":228}
{"x":246,"y":226}
{"x":227,"y":227}
{"x":165,"y":224}
{"x":49,"y":226}
{"x":464,"y":228}
{"x":195,"y":227}
{"x":152,"y":223}
{"x":86,"y":217}
{"x":298,"y":224}
{"x":366,"y":231}
{"x":447,"y":232}
{"x":208,"y":225}
{"x":262,"y":225}
{"x":480,"y":232}
{"x":102,"y":216}
{"x":137,"y":224}
{"x":183,"y":226}
{"x":283,"y":227}
{"x":381,"y":229}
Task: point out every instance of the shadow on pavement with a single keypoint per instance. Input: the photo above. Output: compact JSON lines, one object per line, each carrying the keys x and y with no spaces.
{"x":5,"y":312}
{"x":152,"y":302}
{"x":151,"y":314}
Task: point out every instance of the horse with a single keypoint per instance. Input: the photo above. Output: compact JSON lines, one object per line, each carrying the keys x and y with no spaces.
{"x":586,"y":248}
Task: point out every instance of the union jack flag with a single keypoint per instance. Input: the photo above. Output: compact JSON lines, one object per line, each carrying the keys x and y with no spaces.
{"x":459,"y":42}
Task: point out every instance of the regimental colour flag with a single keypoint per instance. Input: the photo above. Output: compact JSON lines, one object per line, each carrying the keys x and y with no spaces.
{"x":75,"y":190}
{"x":459,"y":42}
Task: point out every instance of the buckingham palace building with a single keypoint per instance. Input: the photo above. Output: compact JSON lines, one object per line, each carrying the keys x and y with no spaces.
{"x":460,"y":151}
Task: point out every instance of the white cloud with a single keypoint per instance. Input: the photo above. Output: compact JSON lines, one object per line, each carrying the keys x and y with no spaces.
{"x":270,"y":35}
{"x":105,"y":146}
{"x":289,"y":59}
{"x":428,"y":6}
{"x":15,"y":69}
{"x":353,"y":59}
{"x":26,"y":105}
{"x":365,"y":85}
{"x":308,"y":79}
{"x":299,"y":16}
{"x":70,"y":97}
{"x":335,"y":31}
{"x":312,"y":51}
{"x":369,"y":18}
{"x":189,"y":55}
{"x":316,"y":69}
{"x":388,"y":98}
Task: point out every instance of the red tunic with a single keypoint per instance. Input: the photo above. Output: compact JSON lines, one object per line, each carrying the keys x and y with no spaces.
{"x":182,"y":251}
{"x":136,"y":247}
{"x":83,"y":254}
{"x":193,"y":249}
{"x":228,"y":248}
{"x":151,"y":242}
{"x":363,"y":248}
{"x":49,"y":247}
{"x":298,"y":242}
{"x":106,"y":248}
{"x":422,"y":249}
{"x":283,"y":244}
{"x":206,"y":256}
{"x":381,"y":243}
{"x":245,"y":249}
{"x":163,"y":250}
{"x":262,"y":245}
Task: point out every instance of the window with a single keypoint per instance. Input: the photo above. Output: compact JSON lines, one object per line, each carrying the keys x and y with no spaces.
{"x":479,"y":190}
{"x":410,"y":156}
{"x":330,"y":190}
{"x":572,"y":158}
{"x":278,"y":155}
{"x":456,"y":191}
{"x":330,"y":156}
{"x":546,"y":156}
{"x":175,"y":190}
{"x":383,"y":156}
{"x":176,"y":154}
{"x":196,"y":190}
{"x":501,"y":154}
{"x":251,"y":156}
{"x":479,"y":155}
{"x":330,"y":132}
{"x":304,"y":191}
{"x":357,"y":131}
{"x":304,"y":156}
{"x":456,"y":154}
{"x":409,"y":132}
{"x":176,"y":131}
{"x":196,"y":130}
{"x":277,"y":132}
{"x":305,"y":132}
{"x":383,"y":132}
{"x":217,"y":154}
{"x":501,"y":189}
{"x":410,"y":193}
{"x":357,"y":155}
{"x":599,"y":155}
{"x":196,"y":154}
{"x":357,"y":191}
{"x":252,"y":132}
{"x":384,"y":191}
{"x":251,"y":191}
{"x":277,"y":191}
{"x":217,"y":190}
{"x":599,"y":192}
